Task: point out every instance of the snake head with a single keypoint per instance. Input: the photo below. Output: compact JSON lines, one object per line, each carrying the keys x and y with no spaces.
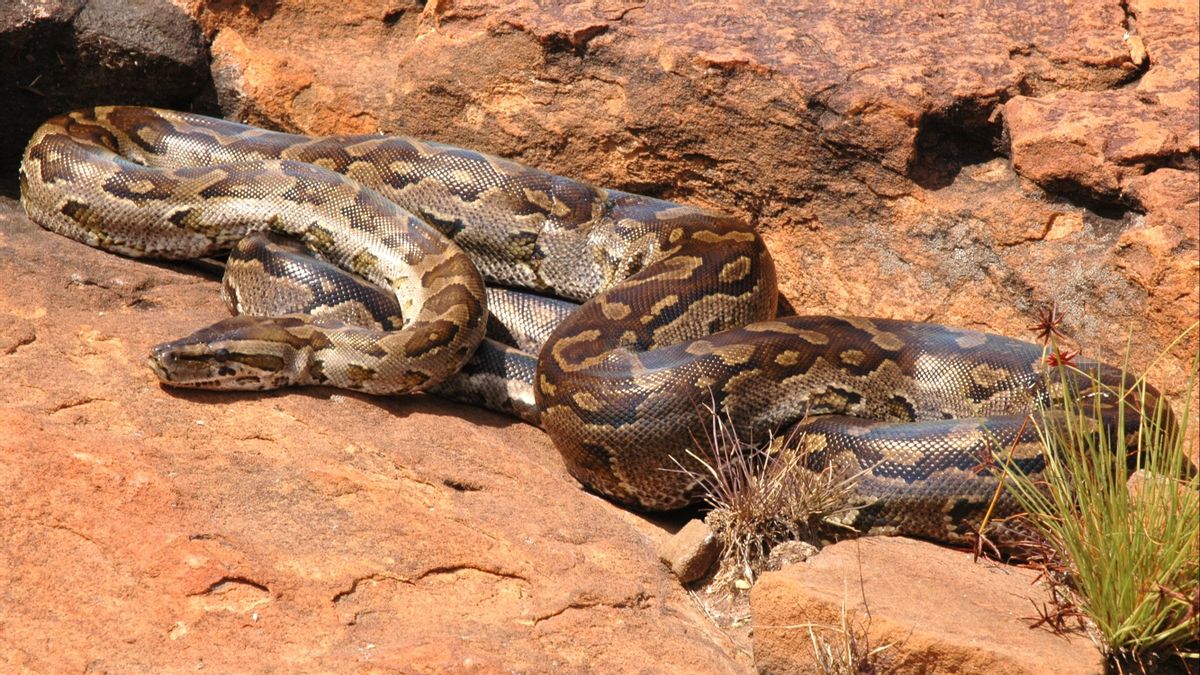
{"x":1125,"y":401}
{"x":242,"y":352}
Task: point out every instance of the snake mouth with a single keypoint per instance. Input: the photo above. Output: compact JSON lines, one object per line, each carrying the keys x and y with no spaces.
{"x":165,"y":376}
{"x":157,"y":367}
{"x":165,"y":365}
{"x":171,"y":369}
{"x":164,"y":362}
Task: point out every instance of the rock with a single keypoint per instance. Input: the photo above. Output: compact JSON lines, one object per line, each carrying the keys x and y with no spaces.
{"x":938,"y":611}
{"x":789,"y":553}
{"x":145,"y":46}
{"x":1142,"y":481}
{"x":691,"y":552}
{"x":57,"y":55}
{"x":150,"y":529}
{"x":869,"y":143}
{"x":1137,"y":145}
{"x":895,"y":156}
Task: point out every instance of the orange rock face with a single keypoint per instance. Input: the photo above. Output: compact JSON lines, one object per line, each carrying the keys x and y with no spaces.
{"x":149,"y":529}
{"x":964,"y":163}
{"x":921,"y":604}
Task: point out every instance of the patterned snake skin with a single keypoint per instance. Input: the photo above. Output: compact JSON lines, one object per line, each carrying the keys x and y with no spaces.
{"x":678,"y":309}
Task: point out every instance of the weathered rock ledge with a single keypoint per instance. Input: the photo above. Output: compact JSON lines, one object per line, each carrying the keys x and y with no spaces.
{"x":143,"y":529}
{"x":963,"y":164}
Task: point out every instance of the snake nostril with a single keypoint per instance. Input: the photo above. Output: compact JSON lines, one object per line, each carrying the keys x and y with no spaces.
{"x":162,"y":356}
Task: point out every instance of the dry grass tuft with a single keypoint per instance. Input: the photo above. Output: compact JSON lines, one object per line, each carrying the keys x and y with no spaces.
{"x":846,"y":649}
{"x":762,"y":495}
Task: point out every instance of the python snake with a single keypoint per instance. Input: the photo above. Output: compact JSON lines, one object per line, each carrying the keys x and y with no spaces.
{"x":678,"y":309}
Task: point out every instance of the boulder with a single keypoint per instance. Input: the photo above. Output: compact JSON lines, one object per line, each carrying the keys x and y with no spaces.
{"x":966,"y":164}
{"x":691,"y":552}
{"x":58,"y":55}
{"x":926,"y":609}
{"x":149,"y":529}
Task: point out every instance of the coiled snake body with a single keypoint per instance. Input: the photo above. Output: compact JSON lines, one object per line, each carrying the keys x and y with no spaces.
{"x":678,"y":308}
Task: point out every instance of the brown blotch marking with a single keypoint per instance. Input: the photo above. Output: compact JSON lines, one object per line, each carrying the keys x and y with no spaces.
{"x":276,"y":330}
{"x":561,"y":348}
{"x":966,"y":435}
{"x":378,"y":350}
{"x":547,"y":388}
{"x":675,"y":267}
{"x":788,"y":358}
{"x":311,"y":184}
{"x":772,"y":326}
{"x":233,"y":180}
{"x":451,"y":298}
{"x":363,"y":263}
{"x":316,"y":371}
{"x":887,"y":340}
{"x":81,"y":127}
{"x":858,"y":430}
{"x":735,"y":355}
{"x":668,"y":301}
{"x":586,"y":401}
{"x":147,"y":137}
{"x":852,"y":357}
{"x":988,"y":377}
{"x":400,"y":170}
{"x":318,"y":339}
{"x":813,"y":337}
{"x":81,"y":213}
{"x":541,"y":199}
{"x":835,"y":399}
{"x":456,"y":266}
{"x":428,"y":337}
{"x":865,"y":325}
{"x":326,"y":285}
{"x":899,"y":408}
{"x":881,"y":338}
{"x":264,"y":362}
{"x":735,"y":271}
{"x":359,"y":374}
{"x":413,"y":379}
{"x":142,"y":186}
{"x":615,"y":311}
{"x":184,"y":218}
{"x":711,"y":237}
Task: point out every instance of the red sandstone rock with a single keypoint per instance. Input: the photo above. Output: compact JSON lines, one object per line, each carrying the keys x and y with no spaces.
{"x":691,"y":551}
{"x":939,"y":612}
{"x":143,"y":528}
{"x":149,"y":529}
{"x":861,"y":138}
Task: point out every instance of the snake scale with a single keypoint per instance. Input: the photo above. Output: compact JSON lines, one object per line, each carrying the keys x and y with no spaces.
{"x":663,"y":308}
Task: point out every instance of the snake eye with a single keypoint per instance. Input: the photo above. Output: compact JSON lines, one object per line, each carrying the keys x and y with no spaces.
{"x":221,"y":355}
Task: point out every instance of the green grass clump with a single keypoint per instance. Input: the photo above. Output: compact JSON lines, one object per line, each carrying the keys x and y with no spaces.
{"x":1124,"y":558}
